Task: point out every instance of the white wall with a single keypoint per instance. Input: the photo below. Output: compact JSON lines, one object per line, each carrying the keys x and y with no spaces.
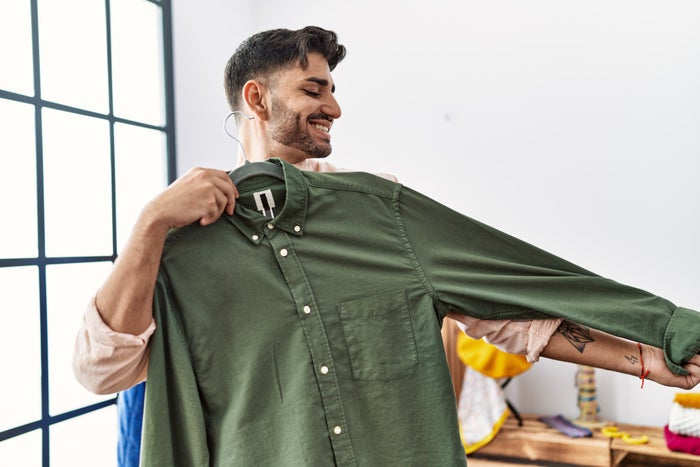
{"x":572,"y":125}
{"x":205,"y":33}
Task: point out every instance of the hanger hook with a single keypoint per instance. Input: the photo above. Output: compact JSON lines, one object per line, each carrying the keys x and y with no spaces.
{"x":236,"y":112}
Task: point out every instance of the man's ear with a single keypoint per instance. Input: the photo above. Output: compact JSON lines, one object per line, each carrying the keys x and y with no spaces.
{"x":255,"y":95}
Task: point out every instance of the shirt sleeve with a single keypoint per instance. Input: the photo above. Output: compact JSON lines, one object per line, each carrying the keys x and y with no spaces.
{"x":522,"y":337}
{"x":106,"y":361}
{"x":474,"y":269}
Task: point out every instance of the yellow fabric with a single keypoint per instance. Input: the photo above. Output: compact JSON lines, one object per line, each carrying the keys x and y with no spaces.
{"x":689,"y":400}
{"x":488,"y":359}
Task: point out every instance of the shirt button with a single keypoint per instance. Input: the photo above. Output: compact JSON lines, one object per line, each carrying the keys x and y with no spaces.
{"x":337,"y":430}
{"x":255,"y":238}
{"x":270,"y":226}
{"x":324,"y":370}
{"x":307,"y":309}
{"x":297,"y":228}
{"x":284,"y":252}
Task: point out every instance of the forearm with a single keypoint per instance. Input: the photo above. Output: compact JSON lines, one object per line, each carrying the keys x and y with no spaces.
{"x":578,"y":344}
{"x":125,"y":300}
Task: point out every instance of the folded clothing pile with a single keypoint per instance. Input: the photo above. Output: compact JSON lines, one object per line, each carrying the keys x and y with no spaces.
{"x":683,"y":429}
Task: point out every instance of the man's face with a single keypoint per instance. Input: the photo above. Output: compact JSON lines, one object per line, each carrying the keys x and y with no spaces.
{"x":303,"y":109}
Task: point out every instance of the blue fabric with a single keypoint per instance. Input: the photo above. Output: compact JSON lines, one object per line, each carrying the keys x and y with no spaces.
{"x":130,"y":410}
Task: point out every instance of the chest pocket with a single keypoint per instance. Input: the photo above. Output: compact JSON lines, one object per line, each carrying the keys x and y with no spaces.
{"x":379,"y":336}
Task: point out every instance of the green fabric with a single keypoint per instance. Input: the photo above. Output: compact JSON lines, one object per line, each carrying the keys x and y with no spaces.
{"x":237,"y":371}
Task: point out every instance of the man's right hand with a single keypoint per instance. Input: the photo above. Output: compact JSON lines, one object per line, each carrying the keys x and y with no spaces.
{"x":199,"y":195}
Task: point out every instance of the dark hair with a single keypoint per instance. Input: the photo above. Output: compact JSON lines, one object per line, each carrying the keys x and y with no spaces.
{"x":269,"y":51}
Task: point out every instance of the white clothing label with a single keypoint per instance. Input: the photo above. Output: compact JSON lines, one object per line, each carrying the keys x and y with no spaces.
{"x":264,"y":201}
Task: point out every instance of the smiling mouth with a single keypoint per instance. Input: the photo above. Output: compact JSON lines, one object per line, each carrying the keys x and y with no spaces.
{"x":325,"y":129}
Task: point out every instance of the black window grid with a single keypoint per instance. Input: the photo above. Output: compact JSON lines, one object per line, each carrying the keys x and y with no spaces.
{"x":42,"y":261}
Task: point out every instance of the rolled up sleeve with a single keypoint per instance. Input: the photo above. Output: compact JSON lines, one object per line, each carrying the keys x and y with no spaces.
{"x":523,"y":337}
{"x":106,"y":361}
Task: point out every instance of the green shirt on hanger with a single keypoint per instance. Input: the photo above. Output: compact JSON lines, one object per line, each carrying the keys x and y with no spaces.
{"x":304,"y":330}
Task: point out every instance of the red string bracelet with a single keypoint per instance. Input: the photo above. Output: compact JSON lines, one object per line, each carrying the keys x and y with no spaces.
{"x":643,"y":374}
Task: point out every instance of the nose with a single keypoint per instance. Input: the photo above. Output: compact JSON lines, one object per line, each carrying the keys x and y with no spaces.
{"x":331,"y":107}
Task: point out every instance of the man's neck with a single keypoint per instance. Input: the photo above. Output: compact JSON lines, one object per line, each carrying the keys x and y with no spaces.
{"x":294,"y":159}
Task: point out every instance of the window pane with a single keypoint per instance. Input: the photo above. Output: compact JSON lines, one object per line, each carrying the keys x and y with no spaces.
{"x":18,"y":180}
{"x":87,"y":440}
{"x":77,"y":185}
{"x":68,"y":291}
{"x":73,"y":49}
{"x":16,"y":29}
{"x":19,"y":338}
{"x":24,"y":450}
{"x":137,"y":61}
{"x":141,"y":172}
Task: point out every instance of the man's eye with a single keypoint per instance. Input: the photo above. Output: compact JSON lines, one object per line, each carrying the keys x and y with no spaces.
{"x":312,"y":93}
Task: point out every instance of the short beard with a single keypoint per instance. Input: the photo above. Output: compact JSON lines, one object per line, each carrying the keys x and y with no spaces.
{"x":287,"y":129}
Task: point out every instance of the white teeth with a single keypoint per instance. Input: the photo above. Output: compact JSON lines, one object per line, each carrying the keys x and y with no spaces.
{"x":321,"y":127}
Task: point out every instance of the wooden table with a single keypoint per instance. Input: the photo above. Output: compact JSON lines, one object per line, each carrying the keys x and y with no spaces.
{"x":654,"y":453}
{"x":535,"y":443}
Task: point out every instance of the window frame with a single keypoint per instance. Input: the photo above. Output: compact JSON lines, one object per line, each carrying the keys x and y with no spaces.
{"x":41,"y":261}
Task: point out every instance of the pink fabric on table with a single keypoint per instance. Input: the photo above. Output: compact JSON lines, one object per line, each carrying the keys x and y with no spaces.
{"x":682,"y":443}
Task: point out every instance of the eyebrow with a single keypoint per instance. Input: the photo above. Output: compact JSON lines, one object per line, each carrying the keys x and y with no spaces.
{"x":321,"y":81}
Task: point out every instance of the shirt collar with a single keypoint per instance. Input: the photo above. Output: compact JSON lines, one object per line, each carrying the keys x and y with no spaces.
{"x":290,"y":219}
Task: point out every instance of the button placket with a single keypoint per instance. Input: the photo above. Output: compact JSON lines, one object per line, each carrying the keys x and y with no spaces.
{"x":316,"y":339}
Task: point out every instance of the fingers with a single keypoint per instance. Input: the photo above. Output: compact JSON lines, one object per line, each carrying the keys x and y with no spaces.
{"x":693,"y":369}
{"x":230,"y":192}
{"x":222,"y":202}
{"x":198,"y":195}
{"x":695,"y":360}
{"x":219,"y":196}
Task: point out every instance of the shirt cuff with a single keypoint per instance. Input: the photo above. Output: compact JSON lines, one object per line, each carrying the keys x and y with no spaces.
{"x":679,"y":344}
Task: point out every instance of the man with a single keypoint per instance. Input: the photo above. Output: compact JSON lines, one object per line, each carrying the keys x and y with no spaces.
{"x":283,"y":80}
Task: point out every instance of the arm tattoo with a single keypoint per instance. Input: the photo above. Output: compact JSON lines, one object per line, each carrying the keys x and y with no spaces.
{"x":577,"y":335}
{"x":632,"y":359}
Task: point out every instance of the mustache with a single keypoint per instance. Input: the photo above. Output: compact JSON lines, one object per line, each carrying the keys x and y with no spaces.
{"x":320,"y":116}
